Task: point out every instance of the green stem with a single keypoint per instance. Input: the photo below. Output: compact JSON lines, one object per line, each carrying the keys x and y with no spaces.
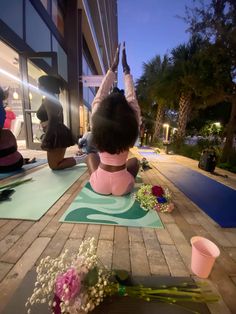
{"x":14,"y":184}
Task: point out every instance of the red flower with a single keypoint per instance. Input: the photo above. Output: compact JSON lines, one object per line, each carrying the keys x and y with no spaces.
{"x":157,"y":190}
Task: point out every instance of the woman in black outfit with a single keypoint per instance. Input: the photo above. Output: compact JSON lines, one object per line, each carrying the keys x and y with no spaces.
{"x":57,"y":136}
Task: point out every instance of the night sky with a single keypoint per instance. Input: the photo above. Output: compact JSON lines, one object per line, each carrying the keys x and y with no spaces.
{"x":150,"y":27}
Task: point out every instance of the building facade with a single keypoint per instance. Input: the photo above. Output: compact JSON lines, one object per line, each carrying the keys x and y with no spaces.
{"x":68,"y":38}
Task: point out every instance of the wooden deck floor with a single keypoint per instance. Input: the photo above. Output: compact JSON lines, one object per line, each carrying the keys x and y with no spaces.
{"x":142,"y":251}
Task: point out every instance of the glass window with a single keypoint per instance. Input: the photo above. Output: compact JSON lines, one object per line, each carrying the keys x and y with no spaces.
{"x":45,"y":3}
{"x":85,"y":66}
{"x":37,"y":33}
{"x":12,"y":14}
{"x":61,"y":58}
{"x":90,"y":96}
{"x":9,"y":65}
{"x":57,"y":16}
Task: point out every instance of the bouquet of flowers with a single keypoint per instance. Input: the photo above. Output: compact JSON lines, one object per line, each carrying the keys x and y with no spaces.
{"x":77,"y":283}
{"x":154,"y":198}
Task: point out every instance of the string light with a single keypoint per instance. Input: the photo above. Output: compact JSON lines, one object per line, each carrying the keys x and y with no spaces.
{"x":15,"y":95}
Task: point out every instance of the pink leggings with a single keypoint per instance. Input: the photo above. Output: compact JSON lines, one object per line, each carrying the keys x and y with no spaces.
{"x":117,"y":183}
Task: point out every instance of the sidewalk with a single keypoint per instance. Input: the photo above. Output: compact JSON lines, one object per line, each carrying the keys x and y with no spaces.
{"x":143,"y":251}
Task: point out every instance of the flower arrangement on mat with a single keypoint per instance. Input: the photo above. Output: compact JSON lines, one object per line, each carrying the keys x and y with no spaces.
{"x":154,"y":197}
{"x":77,"y":283}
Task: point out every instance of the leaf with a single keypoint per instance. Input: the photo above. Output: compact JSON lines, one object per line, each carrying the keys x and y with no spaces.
{"x":92,"y":277}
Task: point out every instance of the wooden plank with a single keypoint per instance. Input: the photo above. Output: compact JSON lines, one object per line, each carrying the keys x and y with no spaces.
{"x":72,"y":245}
{"x":139,"y":260}
{"x":156,"y":258}
{"x":163,"y":236}
{"x":182,"y":245}
{"x":11,"y":282}
{"x":105,"y":252}
{"x":230,"y":235}
{"x":18,"y":249}
{"x":8,"y":227}
{"x":215,"y":231}
{"x":54,"y":224}
{"x":174,"y":261}
{"x":58,"y":205}
{"x":78,"y":231}
{"x":4,"y":269}
{"x":7,"y":243}
{"x":217,"y":307}
{"x":121,"y":253}
{"x":225,"y":286}
{"x":22,"y":228}
{"x":57,"y":243}
{"x":93,"y":231}
{"x":3,"y":222}
{"x":135,"y":235}
{"x":107,"y":232}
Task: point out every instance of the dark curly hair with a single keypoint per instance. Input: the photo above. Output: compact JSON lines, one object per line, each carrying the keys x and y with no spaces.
{"x":114,"y":125}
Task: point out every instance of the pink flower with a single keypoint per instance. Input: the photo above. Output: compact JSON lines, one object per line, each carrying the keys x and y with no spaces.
{"x":170,"y":207}
{"x":157,"y":190}
{"x":68,"y":285}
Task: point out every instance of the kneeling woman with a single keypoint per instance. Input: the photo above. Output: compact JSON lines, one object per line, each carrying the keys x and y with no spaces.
{"x":57,"y":136}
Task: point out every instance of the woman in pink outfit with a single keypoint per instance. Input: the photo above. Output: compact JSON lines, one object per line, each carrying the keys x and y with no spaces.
{"x":115,"y":128}
{"x":10,"y":115}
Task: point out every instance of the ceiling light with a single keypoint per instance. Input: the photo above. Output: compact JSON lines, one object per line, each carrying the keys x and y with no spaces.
{"x":15,"y":95}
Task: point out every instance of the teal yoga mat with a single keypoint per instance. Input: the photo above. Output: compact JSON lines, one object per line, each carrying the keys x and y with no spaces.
{"x":90,"y":207}
{"x":33,"y":199}
{"x":23,"y":170}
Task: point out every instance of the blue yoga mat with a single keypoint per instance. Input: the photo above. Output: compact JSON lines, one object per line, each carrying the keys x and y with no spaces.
{"x":215,"y":199}
{"x":39,"y":162}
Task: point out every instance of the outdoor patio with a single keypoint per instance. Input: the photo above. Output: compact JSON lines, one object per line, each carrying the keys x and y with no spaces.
{"x":142,"y":251}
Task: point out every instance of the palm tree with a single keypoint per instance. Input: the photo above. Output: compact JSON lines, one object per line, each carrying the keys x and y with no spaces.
{"x":216,"y":22}
{"x":152,"y":89}
{"x":183,"y":79}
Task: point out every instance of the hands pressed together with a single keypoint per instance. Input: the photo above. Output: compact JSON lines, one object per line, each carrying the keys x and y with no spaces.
{"x":114,"y":66}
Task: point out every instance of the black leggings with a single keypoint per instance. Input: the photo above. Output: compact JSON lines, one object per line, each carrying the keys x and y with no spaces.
{"x":16,"y":166}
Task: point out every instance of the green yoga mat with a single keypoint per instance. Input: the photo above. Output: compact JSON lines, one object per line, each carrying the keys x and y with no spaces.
{"x":32,"y":200}
{"x":90,"y":207}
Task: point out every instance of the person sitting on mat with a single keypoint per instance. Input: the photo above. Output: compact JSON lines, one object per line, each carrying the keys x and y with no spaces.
{"x":115,"y":128}
{"x":10,"y":158}
{"x":86,"y":143}
{"x":57,"y":136}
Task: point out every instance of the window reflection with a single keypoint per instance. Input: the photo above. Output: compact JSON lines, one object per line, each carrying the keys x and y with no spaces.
{"x":35,"y":29}
{"x":61,"y":58}
{"x":12,"y":15}
{"x":57,"y":16}
{"x":45,"y":3}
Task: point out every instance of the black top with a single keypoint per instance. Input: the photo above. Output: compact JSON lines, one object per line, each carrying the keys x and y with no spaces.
{"x":57,"y":135}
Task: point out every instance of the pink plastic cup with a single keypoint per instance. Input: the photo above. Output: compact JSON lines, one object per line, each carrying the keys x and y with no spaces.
{"x":204,"y":253}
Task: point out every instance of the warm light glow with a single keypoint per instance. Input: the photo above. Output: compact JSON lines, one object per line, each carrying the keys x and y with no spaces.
{"x":166,"y":125}
{"x":30,"y":96}
{"x":217,"y":124}
{"x":15,"y":95}
{"x":32,"y":87}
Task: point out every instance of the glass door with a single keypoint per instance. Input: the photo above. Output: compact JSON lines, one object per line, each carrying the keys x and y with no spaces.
{"x":34,"y":65}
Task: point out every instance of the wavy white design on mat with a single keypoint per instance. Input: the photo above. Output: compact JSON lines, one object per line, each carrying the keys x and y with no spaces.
{"x":119,"y":204}
{"x":150,"y":219}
